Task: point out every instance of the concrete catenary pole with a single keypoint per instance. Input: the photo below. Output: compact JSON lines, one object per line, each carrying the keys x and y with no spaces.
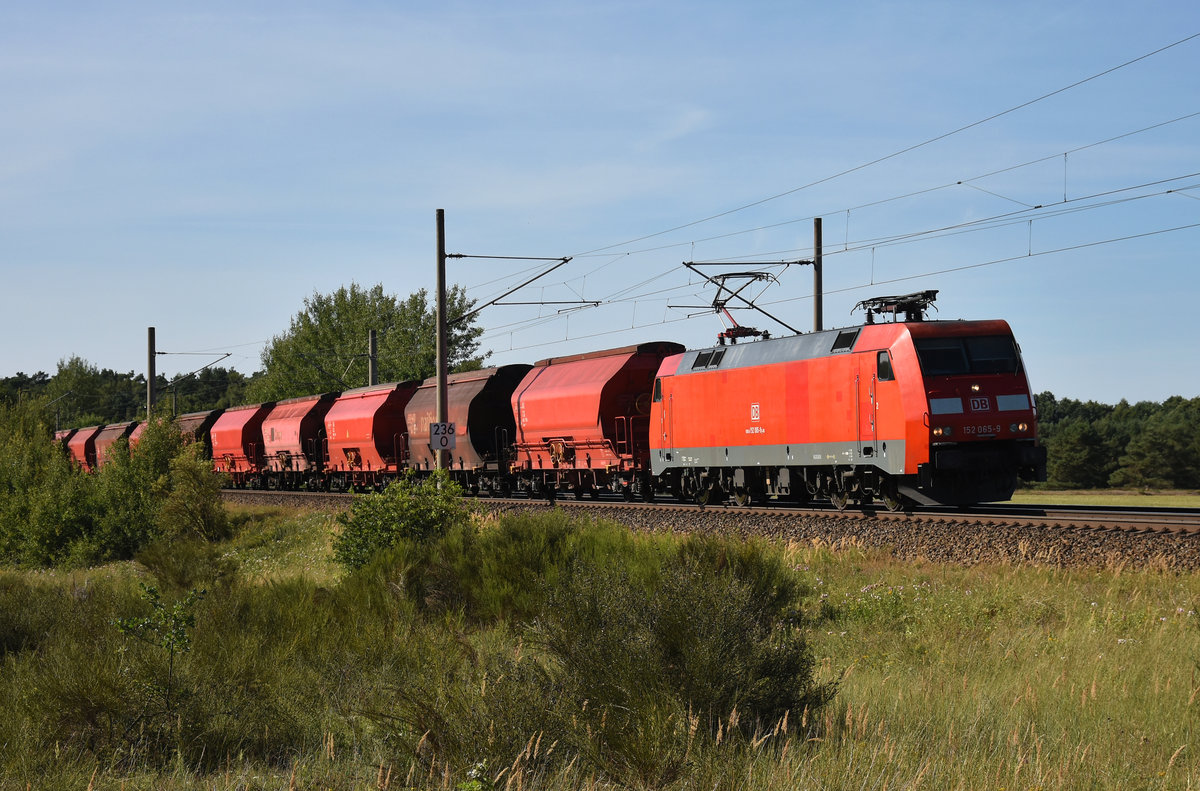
{"x":818,"y":309}
{"x":372,"y":358}
{"x":150,"y":354}
{"x":442,"y":456}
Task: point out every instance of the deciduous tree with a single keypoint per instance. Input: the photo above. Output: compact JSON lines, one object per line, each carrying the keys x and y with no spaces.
{"x":325,"y":348}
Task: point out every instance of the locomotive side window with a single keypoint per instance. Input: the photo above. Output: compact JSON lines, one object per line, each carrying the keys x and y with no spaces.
{"x":989,"y":354}
{"x":657,"y":390}
{"x":883,"y":367}
{"x":718,"y":355}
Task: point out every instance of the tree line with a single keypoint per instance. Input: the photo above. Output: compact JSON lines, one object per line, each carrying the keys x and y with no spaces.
{"x":323,"y":350}
{"x":1147,"y":445}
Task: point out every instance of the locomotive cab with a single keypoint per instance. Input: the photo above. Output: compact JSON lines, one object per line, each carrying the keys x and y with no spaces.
{"x":981,"y":423}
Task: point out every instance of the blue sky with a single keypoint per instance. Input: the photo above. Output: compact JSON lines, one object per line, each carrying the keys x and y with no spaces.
{"x":202,"y":168}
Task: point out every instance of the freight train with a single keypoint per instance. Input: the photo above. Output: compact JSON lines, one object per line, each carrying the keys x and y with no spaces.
{"x":902,"y":412}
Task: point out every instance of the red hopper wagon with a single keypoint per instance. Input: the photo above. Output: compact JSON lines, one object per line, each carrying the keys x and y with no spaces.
{"x":237,"y":445}
{"x":478,"y":406}
{"x":583,"y":421}
{"x":367,"y":438}
{"x":293,"y":440}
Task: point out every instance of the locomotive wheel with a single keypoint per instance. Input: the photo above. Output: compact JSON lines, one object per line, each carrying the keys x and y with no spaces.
{"x":893,"y":502}
{"x":741,"y":496}
{"x":839,"y":500}
{"x":712,"y":494}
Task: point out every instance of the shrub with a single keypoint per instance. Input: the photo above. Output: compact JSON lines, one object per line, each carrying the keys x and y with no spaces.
{"x":183,"y":563}
{"x":193,"y":504}
{"x":649,"y":649}
{"x":51,"y":514}
{"x":412,"y":508}
{"x":44,"y":505}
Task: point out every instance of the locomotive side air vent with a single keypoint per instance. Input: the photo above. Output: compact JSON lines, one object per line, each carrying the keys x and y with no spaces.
{"x":845,"y":341}
{"x":708,"y":359}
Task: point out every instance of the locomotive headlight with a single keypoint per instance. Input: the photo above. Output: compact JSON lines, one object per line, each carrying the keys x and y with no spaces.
{"x":942,"y":431}
{"x":974,"y":388}
{"x":1019,"y":428}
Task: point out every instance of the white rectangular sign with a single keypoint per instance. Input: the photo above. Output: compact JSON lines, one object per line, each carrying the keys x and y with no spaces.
{"x":441,"y":436}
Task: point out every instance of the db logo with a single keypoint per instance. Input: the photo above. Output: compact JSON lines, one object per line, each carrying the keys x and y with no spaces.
{"x":754,"y":412}
{"x":980,"y":404}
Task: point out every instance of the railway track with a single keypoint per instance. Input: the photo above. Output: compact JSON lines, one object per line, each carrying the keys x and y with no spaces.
{"x":1160,"y":538}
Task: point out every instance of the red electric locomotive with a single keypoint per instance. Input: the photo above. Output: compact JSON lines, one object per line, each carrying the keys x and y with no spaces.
{"x":928,"y":412}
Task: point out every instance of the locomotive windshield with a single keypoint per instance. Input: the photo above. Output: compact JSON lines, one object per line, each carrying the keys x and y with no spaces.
{"x":986,"y":354}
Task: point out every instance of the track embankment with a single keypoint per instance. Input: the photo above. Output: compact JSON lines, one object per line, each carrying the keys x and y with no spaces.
{"x":1085,"y":540}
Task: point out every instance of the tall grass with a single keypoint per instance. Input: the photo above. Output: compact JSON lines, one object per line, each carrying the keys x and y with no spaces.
{"x":542,"y":654}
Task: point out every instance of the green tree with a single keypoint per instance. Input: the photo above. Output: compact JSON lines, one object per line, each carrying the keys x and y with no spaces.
{"x":86,"y":395}
{"x":17,"y":388}
{"x":325,"y":349}
{"x":210,"y":388}
{"x":1077,"y":455}
{"x":1165,"y":453}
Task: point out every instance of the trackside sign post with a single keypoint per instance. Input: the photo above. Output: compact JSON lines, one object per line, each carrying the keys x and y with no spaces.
{"x":441,"y":436}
